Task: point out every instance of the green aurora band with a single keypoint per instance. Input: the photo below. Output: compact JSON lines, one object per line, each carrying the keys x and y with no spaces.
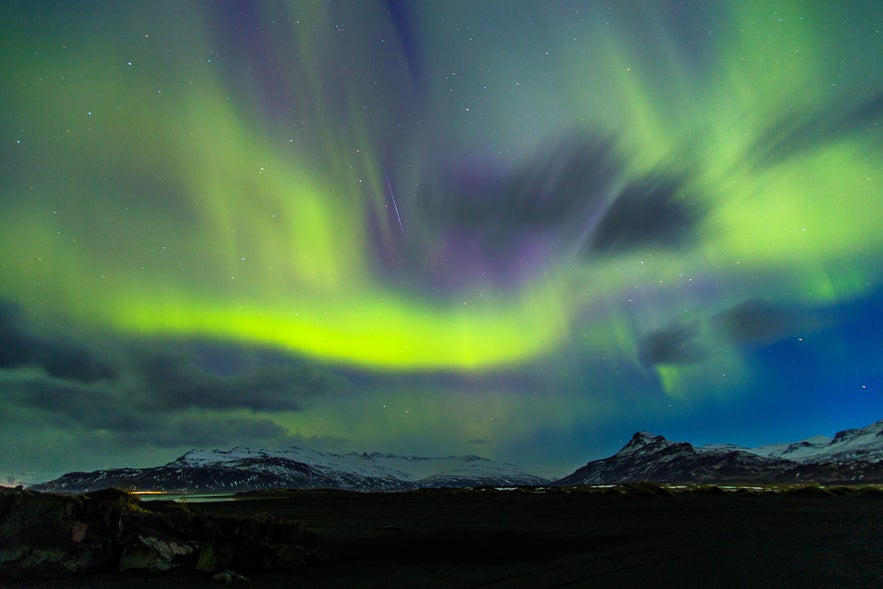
{"x":152,"y":200}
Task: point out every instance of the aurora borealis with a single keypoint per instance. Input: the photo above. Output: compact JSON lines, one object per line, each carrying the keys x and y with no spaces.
{"x":517,"y":229}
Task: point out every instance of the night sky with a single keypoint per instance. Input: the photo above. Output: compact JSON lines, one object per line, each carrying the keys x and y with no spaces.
{"x":516,"y":229}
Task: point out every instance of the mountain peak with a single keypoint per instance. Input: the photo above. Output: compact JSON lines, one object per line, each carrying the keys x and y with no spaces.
{"x":243,"y":468}
{"x":641,"y":440}
{"x":852,"y":456}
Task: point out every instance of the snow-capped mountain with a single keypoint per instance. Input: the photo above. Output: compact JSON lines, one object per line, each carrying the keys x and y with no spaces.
{"x":653,"y":458}
{"x":851,"y":456}
{"x":242,"y":469}
{"x":852,"y":444}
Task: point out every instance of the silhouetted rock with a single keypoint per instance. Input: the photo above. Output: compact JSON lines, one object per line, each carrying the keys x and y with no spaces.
{"x":229,"y":577}
{"x":45,"y":535}
{"x":155,"y":554}
{"x":50,"y":535}
{"x":258,"y":543}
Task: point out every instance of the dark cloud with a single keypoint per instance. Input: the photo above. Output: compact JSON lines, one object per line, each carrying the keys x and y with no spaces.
{"x":166,"y":383}
{"x":175,"y":382}
{"x":673,"y":344}
{"x":478,"y":441}
{"x":211,"y":431}
{"x":801,"y":131}
{"x":216,"y":431}
{"x":60,"y":357}
{"x":869,"y":113}
{"x":756,"y":321}
{"x":16,"y":346}
{"x":97,"y":414}
{"x":145,"y":393}
{"x":561,"y":186}
{"x":476,"y":222}
{"x":753,"y":321}
{"x":790,"y":136}
{"x":400,"y":12}
{"x":652,"y":212}
{"x":115,"y":426}
{"x":71,"y":405}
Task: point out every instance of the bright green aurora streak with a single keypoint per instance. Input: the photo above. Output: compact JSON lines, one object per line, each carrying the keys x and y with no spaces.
{"x":245,"y":239}
{"x":519,"y":220}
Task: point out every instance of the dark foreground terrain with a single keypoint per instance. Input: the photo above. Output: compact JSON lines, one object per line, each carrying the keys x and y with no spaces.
{"x":646,"y":537}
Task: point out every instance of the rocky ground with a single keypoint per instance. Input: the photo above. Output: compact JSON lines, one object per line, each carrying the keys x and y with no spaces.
{"x":51,"y":536}
{"x":640,"y":535}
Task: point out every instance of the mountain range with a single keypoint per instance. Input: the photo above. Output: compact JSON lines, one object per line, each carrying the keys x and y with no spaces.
{"x":851,"y":456}
{"x":245,"y":469}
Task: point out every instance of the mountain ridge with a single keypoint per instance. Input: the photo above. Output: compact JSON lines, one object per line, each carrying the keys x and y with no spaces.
{"x":850,"y":456}
{"x":247,"y":469}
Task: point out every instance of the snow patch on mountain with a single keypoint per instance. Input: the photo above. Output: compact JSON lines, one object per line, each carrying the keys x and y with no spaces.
{"x":375,"y":465}
{"x":852,"y":444}
{"x":854,"y":455}
{"x":242,"y":468}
